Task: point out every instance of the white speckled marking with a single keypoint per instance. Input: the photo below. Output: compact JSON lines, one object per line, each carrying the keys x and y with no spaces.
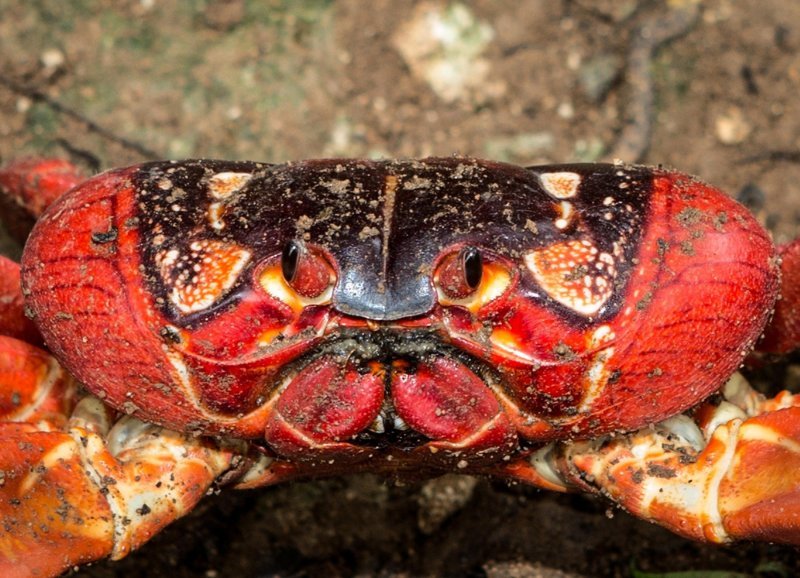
{"x":596,"y":378}
{"x":574,"y":273}
{"x":200,"y":277}
{"x":223,"y":185}
{"x":562,"y":185}
{"x":567,"y":212}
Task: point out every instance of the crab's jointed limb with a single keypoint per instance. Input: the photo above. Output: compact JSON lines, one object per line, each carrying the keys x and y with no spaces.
{"x":76,"y":488}
{"x":29,"y":186}
{"x":732,"y":472}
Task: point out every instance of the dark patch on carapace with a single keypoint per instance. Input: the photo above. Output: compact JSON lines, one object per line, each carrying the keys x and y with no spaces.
{"x":433,"y":204}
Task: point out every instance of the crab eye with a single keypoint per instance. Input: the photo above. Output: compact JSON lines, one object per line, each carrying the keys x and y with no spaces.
{"x":306,"y":271}
{"x":472,"y":265}
{"x":460,"y":274}
{"x":289,"y":258}
{"x":470,"y":279}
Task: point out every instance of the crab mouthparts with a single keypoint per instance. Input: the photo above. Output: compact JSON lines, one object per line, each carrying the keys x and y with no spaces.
{"x":389,"y":391}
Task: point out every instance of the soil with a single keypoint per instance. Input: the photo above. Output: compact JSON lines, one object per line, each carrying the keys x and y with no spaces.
{"x":113,"y":83}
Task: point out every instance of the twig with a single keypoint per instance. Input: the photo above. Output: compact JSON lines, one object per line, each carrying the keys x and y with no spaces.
{"x":634,"y":140}
{"x":37,"y":95}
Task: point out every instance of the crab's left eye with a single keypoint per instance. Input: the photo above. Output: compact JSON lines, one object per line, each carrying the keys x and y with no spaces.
{"x":289,"y":260}
{"x":465,"y":277}
{"x":300,"y":276}
{"x":459,"y":274}
{"x":472,"y":264}
{"x":306,"y":271}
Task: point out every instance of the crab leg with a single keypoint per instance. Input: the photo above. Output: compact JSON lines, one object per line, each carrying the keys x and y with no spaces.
{"x":732,"y":473}
{"x":92,"y":489}
{"x":12,"y":309}
{"x":34,"y":389}
{"x":29,"y":186}
{"x":53,"y":515}
{"x":96,"y":490}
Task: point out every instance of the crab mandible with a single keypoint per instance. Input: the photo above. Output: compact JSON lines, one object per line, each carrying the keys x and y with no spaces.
{"x":547,"y":325}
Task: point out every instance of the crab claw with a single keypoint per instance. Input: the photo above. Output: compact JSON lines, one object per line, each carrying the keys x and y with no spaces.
{"x":97,"y":489}
{"x":731,"y":473}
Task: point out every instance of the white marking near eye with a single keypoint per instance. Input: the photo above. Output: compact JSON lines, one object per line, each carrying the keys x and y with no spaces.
{"x":562,"y":185}
{"x":601,"y":335}
{"x":223,"y":185}
{"x":215,"y":213}
{"x":199,"y":278}
{"x":567,"y":212}
{"x":183,"y":375}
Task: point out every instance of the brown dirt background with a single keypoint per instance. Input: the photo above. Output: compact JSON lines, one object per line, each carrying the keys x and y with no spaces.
{"x":282,"y":80}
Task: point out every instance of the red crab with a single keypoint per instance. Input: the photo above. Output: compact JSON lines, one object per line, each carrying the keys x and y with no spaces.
{"x":245,"y":324}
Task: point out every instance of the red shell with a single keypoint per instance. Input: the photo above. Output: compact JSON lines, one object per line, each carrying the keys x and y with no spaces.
{"x":611,"y":297}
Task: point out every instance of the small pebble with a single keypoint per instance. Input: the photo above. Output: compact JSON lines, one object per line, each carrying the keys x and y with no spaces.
{"x":52,"y":58}
{"x":731,"y":127}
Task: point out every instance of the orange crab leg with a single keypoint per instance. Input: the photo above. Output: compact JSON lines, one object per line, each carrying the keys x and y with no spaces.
{"x":96,"y":490}
{"x":12,"y":309}
{"x":53,"y":516}
{"x":78,"y":488}
{"x":33,"y":387}
{"x":737,"y":479}
{"x":29,"y":186}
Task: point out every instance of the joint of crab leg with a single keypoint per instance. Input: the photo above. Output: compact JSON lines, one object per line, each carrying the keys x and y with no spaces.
{"x":738,"y":392}
{"x":760,"y":494}
{"x":545,"y":463}
{"x":53,"y":514}
{"x":33,"y":387}
{"x":742,"y":485}
{"x":684,"y":428}
{"x":658,"y":475}
{"x":149,"y":475}
{"x":13,"y":322}
{"x":725,"y":412}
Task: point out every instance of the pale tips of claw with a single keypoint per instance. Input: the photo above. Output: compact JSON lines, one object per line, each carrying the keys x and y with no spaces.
{"x":738,"y":391}
{"x":130,"y":432}
{"x":542,"y":462}
{"x":723,"y":413}
{"x":92,"y":415}
{"x":257,"y":471}
{"x":684,"y":428}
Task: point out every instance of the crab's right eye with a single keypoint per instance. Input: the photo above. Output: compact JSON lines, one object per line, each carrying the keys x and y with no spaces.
{"x":307,"y":271}
{"x":289,"y":260}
